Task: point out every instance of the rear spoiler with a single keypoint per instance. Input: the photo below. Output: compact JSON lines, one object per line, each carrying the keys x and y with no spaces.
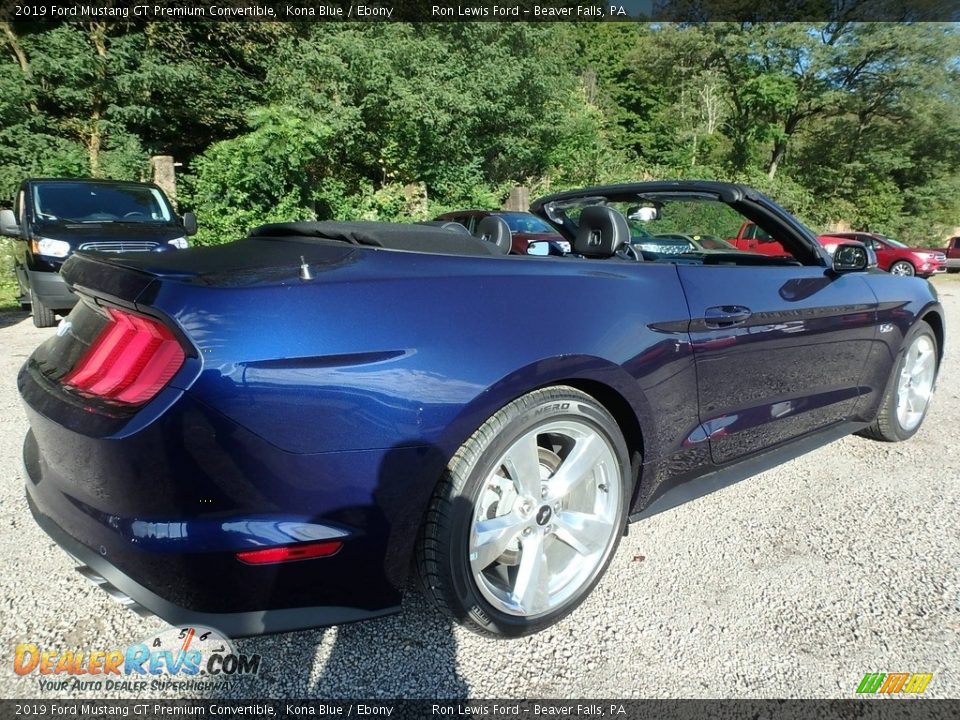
{"x":107,"y":278}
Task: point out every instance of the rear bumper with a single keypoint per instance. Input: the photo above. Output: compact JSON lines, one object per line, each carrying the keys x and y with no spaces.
{"x":232,"y":624}
{"x":51,"y":290}
{"x":159,"y":507}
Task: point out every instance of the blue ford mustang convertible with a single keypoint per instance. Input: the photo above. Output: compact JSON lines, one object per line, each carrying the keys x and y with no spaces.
{"x":275,"y":433}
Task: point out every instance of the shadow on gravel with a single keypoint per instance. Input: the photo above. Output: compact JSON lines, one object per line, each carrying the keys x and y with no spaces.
{"x":12,"y":317}
{"x":412,"y":654}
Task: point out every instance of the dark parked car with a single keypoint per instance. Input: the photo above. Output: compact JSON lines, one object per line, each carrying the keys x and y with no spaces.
{"x":52,"y":218}
{"x":524,"y":227}
{"x":899,"y":259}
{"x":265,"y":435}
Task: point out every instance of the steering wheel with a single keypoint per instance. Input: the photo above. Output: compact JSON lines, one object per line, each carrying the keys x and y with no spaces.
{"x":135,"y":213}
{"x":627,"y":251}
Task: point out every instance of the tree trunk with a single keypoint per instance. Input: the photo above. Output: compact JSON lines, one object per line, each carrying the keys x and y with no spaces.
{"x":21,"y":56}
{"x":98,"y":36}
{"x":780,"y":145}
{"x":779,"y":150}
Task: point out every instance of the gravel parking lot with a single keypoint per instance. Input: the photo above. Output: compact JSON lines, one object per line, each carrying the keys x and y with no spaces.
{"x":792,"y":584}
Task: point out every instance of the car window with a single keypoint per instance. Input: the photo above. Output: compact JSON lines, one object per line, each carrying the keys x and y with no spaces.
{"x":524,"y":223}
{"x":895,"y":243}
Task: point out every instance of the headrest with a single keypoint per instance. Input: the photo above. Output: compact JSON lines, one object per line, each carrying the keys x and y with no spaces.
{"x":494,"y":229}
{"x":600,"y":232}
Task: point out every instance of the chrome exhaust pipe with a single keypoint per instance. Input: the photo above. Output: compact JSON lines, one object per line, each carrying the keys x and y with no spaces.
{"x":114,"y":592}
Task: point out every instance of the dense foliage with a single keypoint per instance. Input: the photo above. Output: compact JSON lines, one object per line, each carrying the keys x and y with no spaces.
{"x":840,"y":122}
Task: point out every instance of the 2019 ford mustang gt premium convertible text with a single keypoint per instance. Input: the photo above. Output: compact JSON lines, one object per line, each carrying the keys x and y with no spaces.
{"x":269,"y":434}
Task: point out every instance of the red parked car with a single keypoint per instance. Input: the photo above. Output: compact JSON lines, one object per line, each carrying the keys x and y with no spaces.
{"x":897,"y":258}
{"x":524,"y":227}
{"x":751,"y":238}
{"x":953,"y":254}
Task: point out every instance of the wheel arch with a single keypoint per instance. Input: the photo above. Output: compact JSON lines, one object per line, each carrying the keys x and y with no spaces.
{"x":621,"y":410}
{"x":935,"y":320}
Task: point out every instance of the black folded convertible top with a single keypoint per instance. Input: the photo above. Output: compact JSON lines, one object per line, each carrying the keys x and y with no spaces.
{"x":393,"y":236}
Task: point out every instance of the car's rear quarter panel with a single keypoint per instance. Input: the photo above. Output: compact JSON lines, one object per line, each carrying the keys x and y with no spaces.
{"x":340,"y":400}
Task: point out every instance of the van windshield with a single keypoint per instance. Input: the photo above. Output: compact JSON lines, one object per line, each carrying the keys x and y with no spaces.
{"x":99,"y":202}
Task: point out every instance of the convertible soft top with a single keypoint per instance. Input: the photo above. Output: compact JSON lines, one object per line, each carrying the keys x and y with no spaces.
{"x":392,"y":236}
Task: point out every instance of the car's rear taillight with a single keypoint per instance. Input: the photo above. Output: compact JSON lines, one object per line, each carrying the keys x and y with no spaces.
{"x":129,"y":362}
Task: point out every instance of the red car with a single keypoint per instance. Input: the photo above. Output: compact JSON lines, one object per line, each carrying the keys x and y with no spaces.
{"x":524,"y":227}
{"x":897,"y":258}
{"x":953,"y":254}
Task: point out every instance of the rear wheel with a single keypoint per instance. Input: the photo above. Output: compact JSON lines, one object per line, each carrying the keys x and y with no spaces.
{"x":909,"y":390}
{"x":528,"y":514}
{"x":902,"y":267}
{"x":43,"y":317}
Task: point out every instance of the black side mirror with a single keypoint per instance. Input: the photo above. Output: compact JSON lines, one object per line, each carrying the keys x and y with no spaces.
{"x":850,"y":257}
{"x":8,"y":224}
{"x":189,"y":223}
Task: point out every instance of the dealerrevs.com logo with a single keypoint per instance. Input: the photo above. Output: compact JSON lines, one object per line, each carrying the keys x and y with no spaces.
{"x":894,"y":683}
{"x":190,"y":658}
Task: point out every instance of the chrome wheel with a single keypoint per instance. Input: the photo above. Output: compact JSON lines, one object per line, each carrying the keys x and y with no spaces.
{"x":915,"y":384}
{"x":902,"y":268}
{"x":546,"y":518}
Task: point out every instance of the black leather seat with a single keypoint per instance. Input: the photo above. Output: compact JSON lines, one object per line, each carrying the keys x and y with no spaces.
{"x":601,"y":231}
{"x":493,"y":229}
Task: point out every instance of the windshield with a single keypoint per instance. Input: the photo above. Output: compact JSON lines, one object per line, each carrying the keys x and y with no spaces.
{"x":99,"y":202}
{"x":524,"y":223}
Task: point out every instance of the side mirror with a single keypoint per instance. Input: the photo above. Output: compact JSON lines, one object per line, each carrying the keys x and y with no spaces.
{"x":8,"y":224}
{"x":850,"y":257}
{"x":189,"y":223}
{"x":646,"y":213}
{"x":538,"y":247}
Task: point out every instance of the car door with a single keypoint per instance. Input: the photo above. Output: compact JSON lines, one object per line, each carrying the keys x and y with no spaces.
{"x":779,"y":351}
{"x":885,"y":255}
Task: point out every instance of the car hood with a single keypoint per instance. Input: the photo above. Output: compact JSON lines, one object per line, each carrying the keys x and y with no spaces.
{"x":79,"y":233}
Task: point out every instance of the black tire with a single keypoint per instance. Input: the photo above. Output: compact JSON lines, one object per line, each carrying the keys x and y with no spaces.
{"x":887,"y":427}
{"x":906,"y":268}
{"x":43,"y":317}
{"x":442,"y":558}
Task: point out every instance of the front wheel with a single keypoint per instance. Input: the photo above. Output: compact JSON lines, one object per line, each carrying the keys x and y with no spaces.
{"x":528,"y":514}
{"x":903,"y":268}
{"x":907,"y":396}
{"x":43,"y":317}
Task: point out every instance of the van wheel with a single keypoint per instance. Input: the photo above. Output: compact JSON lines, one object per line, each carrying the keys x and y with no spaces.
{"x":43,"y":317}
{"x":528,"y":514}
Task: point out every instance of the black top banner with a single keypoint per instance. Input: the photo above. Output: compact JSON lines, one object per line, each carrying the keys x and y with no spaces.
{"x":914,"y":709}
{"x":685,"y":11}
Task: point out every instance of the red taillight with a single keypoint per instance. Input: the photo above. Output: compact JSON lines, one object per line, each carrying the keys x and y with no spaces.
{"x":129,"y":362}
{"x":289,"y":553}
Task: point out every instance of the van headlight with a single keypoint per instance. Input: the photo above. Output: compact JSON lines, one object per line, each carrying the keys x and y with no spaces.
{"x":179,"y":243}
{"x":50,"y":247}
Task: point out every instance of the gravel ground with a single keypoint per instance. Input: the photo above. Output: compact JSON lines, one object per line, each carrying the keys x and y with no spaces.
{"x":792,"y":584}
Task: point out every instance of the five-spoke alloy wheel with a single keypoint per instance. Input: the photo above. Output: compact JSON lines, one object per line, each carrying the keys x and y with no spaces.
{"x":907,"y":396}
{"x":529,"y":514}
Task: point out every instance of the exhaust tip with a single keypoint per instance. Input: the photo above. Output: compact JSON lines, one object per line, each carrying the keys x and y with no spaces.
{"x":115,"y":593}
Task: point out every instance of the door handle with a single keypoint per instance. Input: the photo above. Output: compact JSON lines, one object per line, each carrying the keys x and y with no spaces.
{"x":723,"y":316}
